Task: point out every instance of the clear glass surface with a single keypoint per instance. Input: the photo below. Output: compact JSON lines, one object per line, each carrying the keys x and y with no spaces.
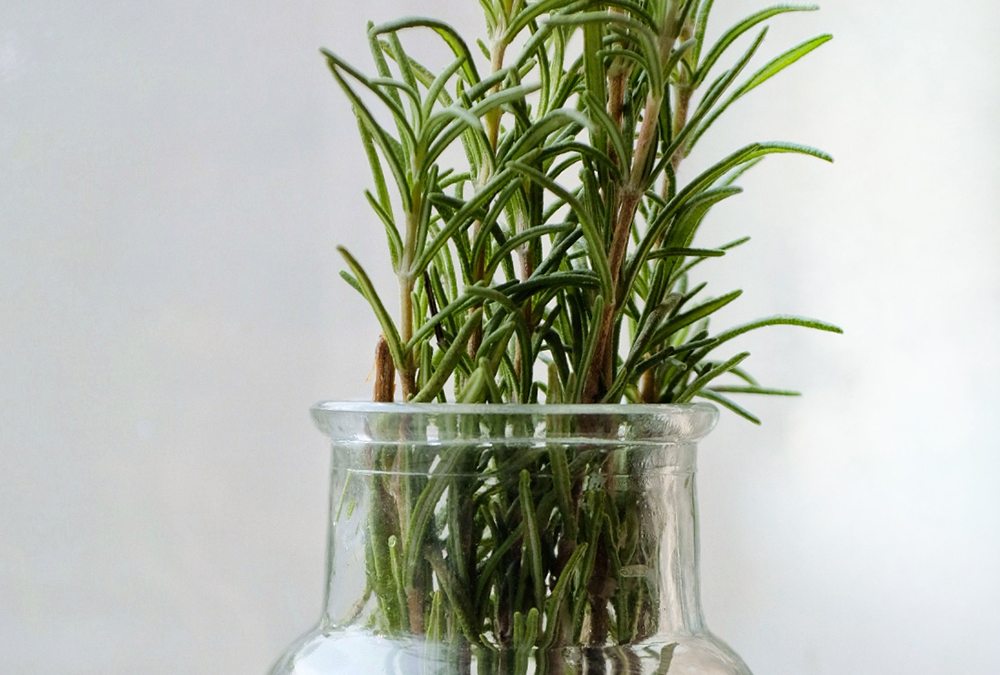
{"x":496,"y":540}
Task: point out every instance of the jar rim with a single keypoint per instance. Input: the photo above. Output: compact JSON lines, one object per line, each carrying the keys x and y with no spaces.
{"x":671,"y":422}
{"x":435,"y":408}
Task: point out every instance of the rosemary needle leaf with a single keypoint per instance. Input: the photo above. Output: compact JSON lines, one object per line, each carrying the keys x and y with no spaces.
{"x":681,"y":252}
{"x":364,"y":284}
{"x":693,"y":315}
{"x":391,"y":233}
{"x":776,"y":321}
{"x":702,"y":381}
{"x":533,"y":541}
{"x":761,"y":391}
{"x":734,"y":33}
{"x":716,"y":397}
{"x":449,"y":361}
{"x":595,"y":241}
{"x":447,"y":33}
{"x":531,"y":12}
{"x":558,"y":595}
{"x":760,"y":77}
{"x":781,"y":62}
{"x":339,"y":66}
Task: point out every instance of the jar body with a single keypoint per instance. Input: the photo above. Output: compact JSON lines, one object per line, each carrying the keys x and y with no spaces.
{"x":495,"y":540}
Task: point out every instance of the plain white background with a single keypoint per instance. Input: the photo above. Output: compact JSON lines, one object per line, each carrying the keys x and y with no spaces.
{"x":174,"y":178}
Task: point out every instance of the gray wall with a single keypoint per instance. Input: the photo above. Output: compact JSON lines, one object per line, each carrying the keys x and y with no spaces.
{"x":173,"y":180}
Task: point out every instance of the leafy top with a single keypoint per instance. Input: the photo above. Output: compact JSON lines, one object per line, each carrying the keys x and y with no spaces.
{"x":552,"y":261}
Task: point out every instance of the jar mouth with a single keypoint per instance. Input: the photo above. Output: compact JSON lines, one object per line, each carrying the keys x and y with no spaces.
{"x":673,"y":423}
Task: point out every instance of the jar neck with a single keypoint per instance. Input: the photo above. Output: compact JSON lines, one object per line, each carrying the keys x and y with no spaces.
{"x":424,"y":540}
{"x":679,"y":585}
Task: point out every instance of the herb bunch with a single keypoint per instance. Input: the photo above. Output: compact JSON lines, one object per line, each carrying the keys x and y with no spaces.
{"x":544,"y":240}
{"x":564,"y":235}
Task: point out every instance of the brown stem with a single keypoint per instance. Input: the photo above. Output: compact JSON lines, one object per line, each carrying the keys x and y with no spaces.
{"x":599,"y":377}
{"x":680,"y":119}
{"x":385,"y":373}
{"x":416,"y":609}
{"x":617,"y":77}
{"x":407,"y":375}
{"x":601,"y":587}
{"x":649,"y":392}
{"x":629,"y":197}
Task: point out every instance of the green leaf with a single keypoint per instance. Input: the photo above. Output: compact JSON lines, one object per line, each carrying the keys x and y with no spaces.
{"x":538,"y":133}
{"x":556,"y":280}
{"x":693,"y":315}
{"x":523,"y":335}
{"x":531,"y":234}
{"x":643,"y":340}
{"x":681,"y":252}
{"x":531,"y":12}
{"x":595,"y":76}
{"x":384,"y":201}
{"x":589,"y":348}
{"x":462,"y":219}
{"x":455,"y":590}
{"x":731,"y":35}
{"x":558,"y":595}
{"x":582,"y":152}
{"x":781,"y":320}
{"x":702,"y":381}
{"x":488,"y":229}
{"x":691,"y":201}
{"x":726,"y":402}
{"x":456,"y":352}
{"x":639,"y":33}
{"x":533,"y":540}
{"x":394,"y":564}
{"x":595,"y":242}
{"x":781,"y":62}
{"x":683,"y":142}
{"x":678,"y":54}
{"x":352,"y":282}
{"x":760,"y":391}
{"x":406,"y":70}
{"x":451,"y":37}
{"x":736,"y":173}
{"x":561,"y":478}
{"x":611,"y":131}
{"x":760,"y":77}
{"x":476,"y":388}
{"x":337,"y":65}
{"x":368,"y":290}
{"x":737,"y":159}
{"x":492,"y":15}
{"x":379,"y":136}
{"x":492,"y":102}
{"x":436,"y":88}
{"x":411,"y":93}
{"x":667,"y":653}
{"x":451,"y":114}
{"x":700,"y":26}
{"x":391,"y":233}
{"x":649,"y":326}
{"x":496,"y":559}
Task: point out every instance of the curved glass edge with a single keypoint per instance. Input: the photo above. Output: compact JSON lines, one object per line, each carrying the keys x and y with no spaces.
{"x":347,"y":421}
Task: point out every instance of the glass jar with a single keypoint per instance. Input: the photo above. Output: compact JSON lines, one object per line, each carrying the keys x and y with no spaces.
{"x":512,"y":539}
